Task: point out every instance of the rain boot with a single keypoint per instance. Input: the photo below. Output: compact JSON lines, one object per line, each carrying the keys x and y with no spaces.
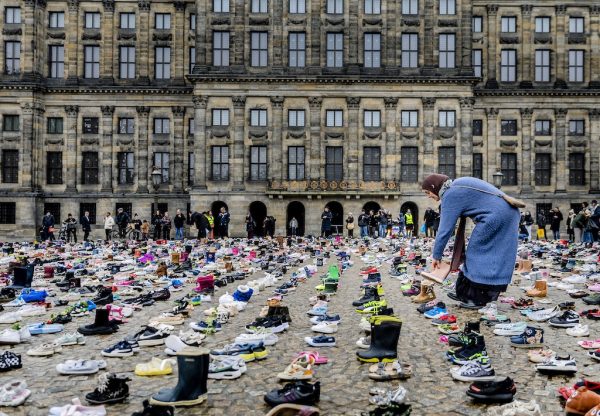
{"x":426,"y":294}
{"x":385,"y":332}
{"x":101,"y":325}
{"x":191,"y":387}
{"x":539,"y":290}
{"x":369,"y":296}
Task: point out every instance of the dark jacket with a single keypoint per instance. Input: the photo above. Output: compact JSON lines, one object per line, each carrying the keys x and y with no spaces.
{"x":326,"y":218}
{"x":527,"y":219}
{"x":224,"y":219}
{"x":122,"y":219}
{"x":363,"y":220}
{"x":179,"y":220}
{"x":555,"y":220}
{"x":86,"y":225}
{"x":48,"y":221}
{"x":157,"y":220}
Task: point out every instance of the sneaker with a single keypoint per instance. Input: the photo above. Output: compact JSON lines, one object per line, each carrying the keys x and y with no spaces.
{"x":70,"y":339}
{"x":299,"y":369}
{"x":558,"y":365}
{"x":44,"y":350}
{"x":300,"y":392}
{"x":150,"y":336}
{"x":500,"y":389}
{"x":325,"y":327}
{"x":541,"y":355}
{"x":579,"y":331}
{"x":533,"y":337}
{"x":595,"y":355}
{"x":325,"y":318}
{"x":510,"y":329}
{"x":226,"y":367}
{"x":490,"y":308}
{"x":248,"y":352}
{"x":364,"y":343}
{"x":544,"y":314}
{"x":206,"y":326}
{"x":120,"y":349}
{"x":473,"y":371}
{"x":448,"y":329}
{"x":430,"y":305}
{"x":320,"y":341}
{"x":444,"y":320}
{"x":262,"y":335}
{"x":568,"y":319}
{"x":112,"y":388}
{"x":275,"y":324}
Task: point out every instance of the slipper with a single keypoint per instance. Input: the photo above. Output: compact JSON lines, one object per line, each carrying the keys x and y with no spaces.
{"x":390,"y":371}
{"x":76,"y":408}
{"x":566,"y":392}
{"x":444,"y":339}
{"x":80,"y":367}
{"x":289,"y":409}
{"x":317,"y":357}
{"x":589,"y":344}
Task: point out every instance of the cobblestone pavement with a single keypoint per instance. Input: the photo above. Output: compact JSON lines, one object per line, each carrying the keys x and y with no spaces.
{"x":345,"y":384}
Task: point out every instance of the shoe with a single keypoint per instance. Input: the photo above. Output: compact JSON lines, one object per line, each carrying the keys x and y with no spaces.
{"x":448,"y":329}
{"x":444,"y":320}
{"x":581,"y":401}
{"x":558,"y":365}
{"x":274,"y":324}
{"x":10,"y":361}
{"x":498,"y":390}
{"x":474,"y":351}
{"x":364,"y":343}
{"x":104,"y":296}
{"x":427,"y":294}
{"x":299,"y":392}
{"x":568,"y":319}
{"x":435,"y":313}
{"x":111,"y":389}
{"x":80,"y":367}
{"x":150,"y":410}
{"x":151,"y":336}
{"x":325,"y":318}
{"x":369,"y":296}
{"x":206,"y":326}
{"x":533,"y":337}
{"x":539,"y":290}
{"x":10,"y":337}
{"x":510,"y":329}
{"x":155,"y":367}
{"x":226,"y":368}
{"x":299,"y":369}
{"x":595,"y":355}
{"x":579,"y":331}
{"x":385,"y":332}
{"x":430,"y":305}
{"x":14,"y":393}
{"x":76,"y":408}
{"x":541,"y":355}
{"x":101,"y":325}
{"x":320,"y":341}
{"x":174,"y":343}
{"x":325,"y":327}
{"x":464,"y":338}
{"x":248,"y":352}
{"x":517,"y":408}
{"x":44,"y":350}
{"x":473,"y":371}
{"x":592,"y":299}
{"x":264,"y":336}
{"x":120,"y":349}
{"x":544,"y":314}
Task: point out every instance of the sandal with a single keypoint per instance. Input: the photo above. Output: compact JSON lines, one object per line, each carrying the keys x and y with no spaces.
{"x":289,"y":409}
{"x":315,"y":355}
{"x":390,"y":371}
{"x":590,"y":344}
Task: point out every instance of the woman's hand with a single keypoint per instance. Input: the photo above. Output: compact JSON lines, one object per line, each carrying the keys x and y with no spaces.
{"x":435,"y":264}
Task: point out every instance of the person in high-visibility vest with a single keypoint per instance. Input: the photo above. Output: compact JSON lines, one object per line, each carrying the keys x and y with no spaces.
{"x":410,"y":224}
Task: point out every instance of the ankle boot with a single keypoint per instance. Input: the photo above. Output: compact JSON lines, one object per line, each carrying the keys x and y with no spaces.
{"x":385,"y":332}
{"x":426,"y":294}
{"x":191,"y":388}
{"x":540,"y":290}
{"x":112,"y":388}
{"x":526,"y":266}
{"x":369,"y":296}
{"x":519,"y":266}
{"x":101,"y":325}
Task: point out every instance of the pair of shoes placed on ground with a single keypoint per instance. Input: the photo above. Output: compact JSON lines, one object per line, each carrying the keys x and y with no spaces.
{"x":301,"y":368}
{"x":14,"y":393}
{"x":15,"y":335}
{"x":390,"y":371}
{"x":248,"y":351}
{"x":385,"y":332}
{"x":389,"y":401}
{"x":298,"y":392}
{"x":152,"y":335}
{"x":226,"y":367}
{"x":583,"y":402}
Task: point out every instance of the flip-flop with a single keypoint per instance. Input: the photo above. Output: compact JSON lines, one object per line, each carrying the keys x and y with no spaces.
{"x":319,"y":359}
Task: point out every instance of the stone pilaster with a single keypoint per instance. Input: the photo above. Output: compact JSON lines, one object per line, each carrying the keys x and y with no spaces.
{"x":429,"y":41}
{"x":595,"y":45}
{"x":561,"y":59}
{"x":493,"y":156}
{"x":353,"y":37}
{"x":238,"y":35}
{"x":492,"y":39}
{"x":201,"y":151}
{"x":178,"y":148}
{"x":527,"y":34}
{"x":202,"y":32}
{"x":143,"y":50}
{"x":238,"y":161}
{"x":276,"y":153}
{"x":28,"y":23}
{"x":106,"y":51}
{"x":72,"y":151}
{"x":354,"y":173}
{"x":528,"y":170}
{"x":466,"y":16}
{"x":74,"y":23}
{"x":594,"y":116}
{"x":561,"y":150}
{"x":37,"y":146}
{"x":278,"y":41}
{"x":315,"y":137}
{"x":106,"y":171}
{"x":428,"y":126}
{"x":315,"y":37}
{"x":392,"y":159}
{"x":465,"y":149}
{"x":143,"y":161}
{"x":390,"y":37}
{"x":27,"y":126}
{"x":178,"y":44}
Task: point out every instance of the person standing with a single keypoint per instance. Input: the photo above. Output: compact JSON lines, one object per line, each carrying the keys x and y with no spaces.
{"x":271,"y":228}
{"x":293,"y":227}
{"x":401,"y":225}
{"x":224,"y":219}
{"x":145,"y":229}
{"x":48,"y":226}
{"x":569,"y":223}
{"x":122,"y":221}
{"x":109,"y":223}
{"x":157,"y":222}
{"x":201,"y":222}
{"x":594,"y":224}
{"x":578,"y":224}
{"x":410,"y":223}
{"x":363,"y":224}
{"x":588,"y":235}
{"x":528,"y":221}
{"x":250,"y":226}
{"x":179,"y":223}
{"x":373,"y":221}
{"x":326,"y":218}
{"x":383,"y":223}
{"x":71,"y":225}
{"x":541,"y":223}
{"x":166,"y":226}
{"x":556,"y":218}
{"x":429,"y":219}
{"x":211,"y":225}
{"x":86,"y":225}
{"x":350,"y":225}
{"x":137,"y":226}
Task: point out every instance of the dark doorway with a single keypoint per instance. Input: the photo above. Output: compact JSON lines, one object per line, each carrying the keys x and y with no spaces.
{"x":295,"y":210}
{"x":337,"y":222}
{"x":216,"y":207}
{"x":258,"y":210}
{"x":415,"y":213}
{"x":371,"y":206}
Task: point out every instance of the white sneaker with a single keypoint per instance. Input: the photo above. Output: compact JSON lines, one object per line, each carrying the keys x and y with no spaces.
{"x":544,"y":314}
{"x":325,"y":327}
{"x":32,"y":310}
{"x":565,"y":286}
{"x":558,"y":364}
{"x":579,"y":331}
{"x":364,"y":324}
{"x":517,"y":408}
{"x":364,"y":343}
{"x":265,"y":336}
{"x":490,"y":308}
{"x":575,"y":279}
{"x":9,"y":337}
{"x":10,"y":317}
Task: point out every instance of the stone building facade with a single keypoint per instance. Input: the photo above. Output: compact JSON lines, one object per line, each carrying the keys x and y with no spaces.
{"x":283,"y":107}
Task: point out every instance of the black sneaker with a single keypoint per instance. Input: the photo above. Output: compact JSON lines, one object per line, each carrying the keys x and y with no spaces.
{"x":429,"y":306}
{"x":567,"y":320}
{"x":150,"y":410}
{"x":111,"y":389}
{"x":120,"y":349}
{"x":499,"y":390}
{"x":275,"y":323}
{"x":299,"y":392}
{"x":151,"y":336}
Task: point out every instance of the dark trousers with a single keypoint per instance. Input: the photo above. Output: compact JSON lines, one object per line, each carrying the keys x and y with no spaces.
{"x":107,"y":233}
{"x":157,"y":231}
{"x":166,"y":232}
{"x":86,"y":234}
{"x":72,"y":233}
{"x":351,"y":233}
{"x":477,"y":293}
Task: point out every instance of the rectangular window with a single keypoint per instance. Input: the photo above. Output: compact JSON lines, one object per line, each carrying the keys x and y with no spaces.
{"x":577,"y":169}
{"x":259,"y":6}
{"x":409,"y":164}
{"x":335,"y":6}
{"x":410,"y":50}
{"x":220,"y":163}
{"x":447,"y":161}
{"x":576,"y":127}
{"x":372,"y":118}
{"x":162,"y":126}
{"x":161,"y":162}
{"x":334,"y":118}
{"x":477,"y":127}
{"x":55,"y":125}
{"x":220,"y":117}
{"x":162,"y":21}
{"x":92,"y":20}
{"x":89,"y":171}
{"x":477,"y":24}
{"x":12,"y":15}
{"x":90,"y":125}
{"x":297,"y":6}
{"x":542,"y":24}
{"x":543,"y":169}
{"x":447,"y":118}
{"x":477,"y":59}
{"x":192,"y":59}
{"x":508,"y":65}
{"x":447,"y":7}
{"x":542,"y":65}
{"x":126,"y":125}
{"x":576,"y":60}
{"x":576,"y":24}
{"x":191,"y":168}
{"x":258,"y":117}
{"x":296,"y":163}
{"x":508,"y":167}
{"x":410,"y":118}
{"x":478,"y":165}
{"x":8,"y":211}
{"x":56,"y":61}
{"x":162,"y":62}
{"x":508,"y":127}
{"x":335,"y":50}
{"x":258,"y":163}
{"x":221,"y":6}
{"x":447,"y":50}
{"x":88,"y":207}
{"x":12,"y":57}
{"x":10,"y":122}
{"x":543,"y":127}
{"x":56,"y":20}
{"x":127,"y":62}
{"x":372,"y":6}
{"x":259,"y":53}
{"x":297,"y":49}
{"x":125,"y":163}
{"x":334,"y":163}
{"x":193,"y":21}
{"x":372,"y":164}
{"x":372,"y":50}
{"x":508,"y":24}
{"x":220,"y":48}
{"x":296,"y":118}
{"x":127,"y":20}
{"x":410,"y":7}
{"x":10,"y":166}
{"x":191,"y":127}
{"x":91,"y":60}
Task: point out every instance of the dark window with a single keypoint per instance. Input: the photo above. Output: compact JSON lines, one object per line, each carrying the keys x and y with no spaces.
{"x":10,"y":123}
{"x":126,"y":126}
{"x":334,"y":163}
{"x":477,"y":127}
{"x":54,"y":209}
{"x":126,"y":206}
{"x":10,"y":166}
{"x":258,"y":163}
{"x":543,"y":127}
{"x":161,"y":162}
{"x":478,"y":165}
{"x":90,"y":168}
{"x":409,"y":164}
{"x":508,"y":127}
{"x":8,"y":213}
{"x":447,"y":161}
{"x":90,"y":125}
{"x":508,"y":165}
{"x":192,"y":21}
{"x":191,"y":127}
{"x":56,"y":61}
{"x":372,"y":164}
{"x":191,"y":168}
{"x":55,"y":125}
{"x":543,"y":169}
{"x":125,"y":161}
{"x":577,"y":169}
{"x":220,"y":163}
{"x":12,"y":57}
{"x":54,"y":168}
{"x":89,"y":207}
{"x":296,"y":163}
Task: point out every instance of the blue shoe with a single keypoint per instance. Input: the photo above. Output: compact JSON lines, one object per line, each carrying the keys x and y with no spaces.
{"x":43,"y":328}
{"x":532,"y":338}
{"x":436,"y":313}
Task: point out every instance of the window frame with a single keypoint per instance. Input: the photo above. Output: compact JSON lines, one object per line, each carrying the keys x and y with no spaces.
{"x":477,"y":131}
{"x":12,"y":63}
{"x":447,"y":161}
{"x":335,"y":7}
{"x":506,"y":127}
{"x":162,"y":21}
{"x":371,"y":163}
{"x":410,"y":7}
{"x":477,"y":24}
{"x":297,"y":49}
{"x":409,"y":164}
{"x":223,"y":6}
{"x":125,"y":17}
{"x":259,"y":49}
{"x":371,"y":119}
{"x":164,"y":64}
{"x":447,"y":52}
{"x":334,"y":49}
{"x":577,"y":175}
{"x":447,"y":118}
{"x":192,"y":56}
{"x":217,"y":117}
{"x":10,"y":165}
{"x":54,"y":168}
{"x":126,"y":125}
{"x":447,"y":8}
{"x":543,"y":65}
{"x":52,"y":125}
{"x":508,"y":65}
{"x":221,"y":166}
{"x":409,"y":118}
{"x":54,"y":19}
{"x":125,"y":168}
{"x":259,"y":6}
{"x":477,"y":166}
{"x":92,"y":20}
{"x":90,"y":125}
{"x":577,"y":23}
{"x":90,"y":168}
{"x":543,"y":169}
{"x":12,"y":15}
{"x":576,"y":70}
{"x":259,"y":117}
{"x":508,"y":24}
{"x":296,"y":164}
{"x":191,"y":173}
{"x":409,"y":55}
{"x":577,"y":127}
{"x":161,"y":125}
{"x":161,"y":161}
{"x":258,"y":162}
{"x":293,"y":118}
{"x":127,"y":67}
{"x":300,"y":7}
{"x":477,"y":62}
{"x":543,"y":127}
{"x":338,"y":118}
{"x":372,"y":50}
{"x":91,"y":208}
{"x":509,"y":168}
{"x":11,"y":123}
{"x":372,"y":7}
{"x":221,"y":48}
{"x":91,"y":62}
{"x":334,"y":163}
{"x":8,"y":212}
{"x":56,"y":67}
{"x":543,"y":24}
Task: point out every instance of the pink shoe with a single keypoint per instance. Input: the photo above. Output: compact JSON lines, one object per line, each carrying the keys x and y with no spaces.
{"x":590,"y":344}
{"x":77,"y":409}
{"x":315,"y":355}
{"x":594,"y":287}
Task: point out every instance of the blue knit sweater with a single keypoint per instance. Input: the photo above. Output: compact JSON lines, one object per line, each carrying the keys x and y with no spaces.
{"x":492,"y":247}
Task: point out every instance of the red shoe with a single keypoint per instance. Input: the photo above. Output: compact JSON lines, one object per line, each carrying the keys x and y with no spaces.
{"x":369,"y":270}
{"x":446,"y":319}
